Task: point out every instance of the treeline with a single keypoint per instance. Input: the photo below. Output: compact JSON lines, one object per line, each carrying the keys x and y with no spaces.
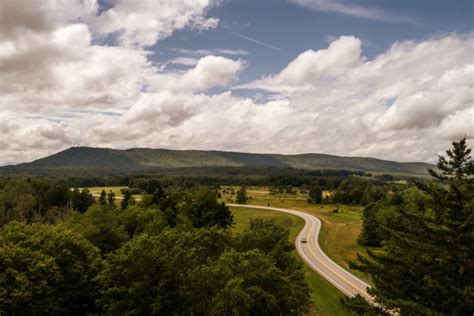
{"x":349,"y":191}
{"x":423,"y":263}
{"x":207,"y":176}
{"x":171,"y":253}
{"x":41,"y":200}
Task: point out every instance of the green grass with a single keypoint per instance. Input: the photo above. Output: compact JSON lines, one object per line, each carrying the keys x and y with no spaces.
{"x":339,"y":231}
{"x":95,"y":191}
{"x":325,"y":297}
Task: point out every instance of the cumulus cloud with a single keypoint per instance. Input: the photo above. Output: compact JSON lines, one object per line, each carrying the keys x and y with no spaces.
{"x":62,"y":86}
{"x":18,"y":17}
{"x":143,"y":23}
{"x":341,"y":55}
{"x":410,"y":96}
{"x":62,"y":68}
{"x":209,"y":72}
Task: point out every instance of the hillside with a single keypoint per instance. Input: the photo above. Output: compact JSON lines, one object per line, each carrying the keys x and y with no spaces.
{"x":145,"y":160}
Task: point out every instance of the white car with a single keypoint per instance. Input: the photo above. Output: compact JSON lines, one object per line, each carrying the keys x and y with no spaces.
{"x":303,"y":240}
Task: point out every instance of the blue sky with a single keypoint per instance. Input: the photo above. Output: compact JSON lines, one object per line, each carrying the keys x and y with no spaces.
{"x":295,"y":28}
{"x":380,"y":78}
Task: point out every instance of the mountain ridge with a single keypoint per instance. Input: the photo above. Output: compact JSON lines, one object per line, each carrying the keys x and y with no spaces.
{"x":149,"y":159}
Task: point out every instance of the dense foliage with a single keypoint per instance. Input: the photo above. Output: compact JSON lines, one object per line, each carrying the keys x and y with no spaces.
{"x":426,"y":264}
{"x":200,"y":271}
{"x":39,"y":200}
{"x":46,"y":269}
{"x":170,"y":253}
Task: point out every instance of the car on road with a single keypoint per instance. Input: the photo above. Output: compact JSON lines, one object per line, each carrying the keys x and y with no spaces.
{"x":303,"y":240}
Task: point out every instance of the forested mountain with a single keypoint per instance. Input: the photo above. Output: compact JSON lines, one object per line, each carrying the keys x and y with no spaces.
{"x":152,"y":160}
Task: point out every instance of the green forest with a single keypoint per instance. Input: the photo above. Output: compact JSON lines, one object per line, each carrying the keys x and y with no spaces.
{"x":166,"y":247}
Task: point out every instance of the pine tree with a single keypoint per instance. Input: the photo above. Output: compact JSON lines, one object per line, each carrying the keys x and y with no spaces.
{"x":103,"y":198}
{"x":126,"y":197}
{"x":427,"y":266}
{"x":111,"y":198}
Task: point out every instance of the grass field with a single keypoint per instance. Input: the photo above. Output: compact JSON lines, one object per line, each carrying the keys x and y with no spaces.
{"x":95,"y":191}
{"x":326,"y":298}
{"x":339,"y":231}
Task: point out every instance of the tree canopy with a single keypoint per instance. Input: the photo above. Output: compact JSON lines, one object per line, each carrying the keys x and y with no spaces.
{"x":427,"y":263}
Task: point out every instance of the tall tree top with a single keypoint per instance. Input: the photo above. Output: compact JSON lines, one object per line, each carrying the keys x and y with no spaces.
{"x":459,"y":163}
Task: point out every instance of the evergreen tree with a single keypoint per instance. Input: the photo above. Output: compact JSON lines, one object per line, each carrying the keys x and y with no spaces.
{"x":111,"y":198}
{"x":126,"y":197}
{"x":241,"y":197}
{"x":103,"y":198}
{"x":427,"y":266}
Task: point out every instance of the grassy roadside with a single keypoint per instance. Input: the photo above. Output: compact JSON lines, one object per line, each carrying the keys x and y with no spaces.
{"x":339,"y":230}
{"x":326,"y":298}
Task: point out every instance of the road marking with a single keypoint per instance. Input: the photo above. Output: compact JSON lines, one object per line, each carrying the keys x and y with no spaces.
{"x":317,"y":223}
{"x":343,"y":278}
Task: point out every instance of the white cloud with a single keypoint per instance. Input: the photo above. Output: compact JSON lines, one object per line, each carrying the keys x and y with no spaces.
{"x":209,"y":72}
{"x":184,"y":61}
{"x":143,"y":23}
{"x":350,"y":9}
{"x":212,"y":51}
{"x":405,"y":102}
{"x":61,"y":88}
{"x":62,"y":68}
{"x":310,"y":66}
{"x":19,"y":17}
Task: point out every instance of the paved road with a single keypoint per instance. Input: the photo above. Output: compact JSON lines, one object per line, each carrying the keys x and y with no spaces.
{"x":313,"y":255}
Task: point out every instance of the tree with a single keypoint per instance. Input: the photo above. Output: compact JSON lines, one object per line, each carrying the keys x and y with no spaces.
{"x":57,"y":195}
{"x":315,"y":194}
{"x":371,"y":234}
{"x":18,"y":202}
{"x":241,"y":197}
{"x":81,"y":200}
{"x":46,"y":269}
{"x":459,"y":166}
{"x":197,"y":272}
{"x":427,"y":263}
{"x":111,"y":198}
{"x":28,"y":279}
{"x":101,"y":226}
{"x":203,"y":209}
{"x":154,"y":275}
{"x":249,"y":283}
{"x":103,"y":197}
{"x":126,"y":197}
{"x":137,"y":220}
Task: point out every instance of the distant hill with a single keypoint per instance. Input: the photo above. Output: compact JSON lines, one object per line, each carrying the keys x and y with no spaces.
{"x":90,"y":160}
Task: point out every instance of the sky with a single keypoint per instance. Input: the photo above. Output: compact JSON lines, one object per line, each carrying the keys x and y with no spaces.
{"x":379,"y":78}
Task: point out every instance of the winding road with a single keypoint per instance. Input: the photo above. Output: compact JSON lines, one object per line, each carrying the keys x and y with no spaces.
{"x":313,"y":255}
